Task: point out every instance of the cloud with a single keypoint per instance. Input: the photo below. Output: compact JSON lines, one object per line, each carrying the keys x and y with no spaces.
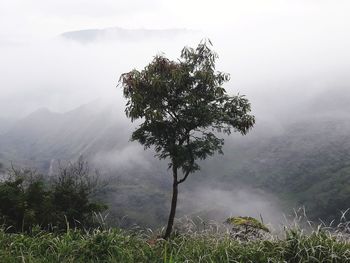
{"x":128,"y":158}
{"x":92,"y":7}
{"x":219,"y":204}
{"x":280,"y":54}
{"x":62,"y":75}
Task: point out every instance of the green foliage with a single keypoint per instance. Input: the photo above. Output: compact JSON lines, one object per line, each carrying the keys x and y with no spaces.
{"x":319,"y":246}
{"x":307,"y":165}
{"x":71,"y":192}
{"x":23,"y":200}
{"x":26,"y":199}
{"x":116,"y":245}
{"x":247,"y":222}
{"x":182,"y":103}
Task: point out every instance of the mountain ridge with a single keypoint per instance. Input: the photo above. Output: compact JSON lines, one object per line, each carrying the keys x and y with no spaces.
{"x":293,"y":164}
{"x":121,"y":34}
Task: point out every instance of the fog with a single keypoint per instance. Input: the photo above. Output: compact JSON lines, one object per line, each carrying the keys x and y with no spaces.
{"x":219,"y":204}
{"x":128,"y":158}
{"x":280,"y":54}
{"x":62,"y":75}
{"x":290,"y":58}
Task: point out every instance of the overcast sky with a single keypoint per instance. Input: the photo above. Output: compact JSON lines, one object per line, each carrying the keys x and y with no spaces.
{"x":269,"y":46}
{"x":37,"y":18}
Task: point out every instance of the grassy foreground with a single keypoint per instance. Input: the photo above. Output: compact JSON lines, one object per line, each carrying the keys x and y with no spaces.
{"x":115,"y":245}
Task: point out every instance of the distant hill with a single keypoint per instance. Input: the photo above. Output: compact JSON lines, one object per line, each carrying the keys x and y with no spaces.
{"x":334,"y":101}
{"x":122,"y":34}
{"x":305,"y":163}
{"x":5,"y":124}
{"x":44,"y":138}
{"x":44,"y":135}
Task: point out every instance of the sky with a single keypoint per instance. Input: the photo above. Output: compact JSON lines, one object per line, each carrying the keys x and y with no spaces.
{"x":278,"y":52}
{"x":23,"y":19}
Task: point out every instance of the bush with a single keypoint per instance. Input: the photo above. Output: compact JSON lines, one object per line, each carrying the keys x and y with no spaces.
{"x":28,"y":199}
{"x":71,"y":196}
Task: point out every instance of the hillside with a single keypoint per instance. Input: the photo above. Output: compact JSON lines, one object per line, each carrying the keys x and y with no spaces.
{"x":45,"y":135}
{"x":306,"y":163}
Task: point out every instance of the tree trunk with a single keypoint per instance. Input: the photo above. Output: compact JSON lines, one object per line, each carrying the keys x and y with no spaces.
{"x":173,"y":205}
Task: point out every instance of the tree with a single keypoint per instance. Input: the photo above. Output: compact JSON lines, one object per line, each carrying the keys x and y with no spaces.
{"x":72,"y":190}
{"x":183,"y":107}
{"x":27,"y":199}
{"x":23,"y":200}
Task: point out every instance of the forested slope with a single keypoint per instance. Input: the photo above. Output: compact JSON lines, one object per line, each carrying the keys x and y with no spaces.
{"x":305,"y":163}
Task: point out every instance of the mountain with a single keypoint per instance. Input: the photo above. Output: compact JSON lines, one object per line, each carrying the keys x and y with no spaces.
{"x":122,"y":34}
{"x":5,"y":124}
{"x":45,"y":135}
{"x":305,"y":163}
{"x":43,"y":139}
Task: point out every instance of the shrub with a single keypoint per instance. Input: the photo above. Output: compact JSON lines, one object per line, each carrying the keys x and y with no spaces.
{"x":28,"y":199}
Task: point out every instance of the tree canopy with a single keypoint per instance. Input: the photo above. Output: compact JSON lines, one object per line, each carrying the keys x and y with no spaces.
{"x":183,"y":103}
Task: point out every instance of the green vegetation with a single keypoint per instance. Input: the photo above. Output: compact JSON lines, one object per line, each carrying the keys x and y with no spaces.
{"x":27,"y":199}
{"x":247,"y":222}
{"x":115,"y":245}
{"x":307,"y":165}
{"x":184,"y":106}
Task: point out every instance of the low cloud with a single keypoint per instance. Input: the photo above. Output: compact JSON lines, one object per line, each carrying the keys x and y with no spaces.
{"x":128,"y":158}
{"x":218,"y":204}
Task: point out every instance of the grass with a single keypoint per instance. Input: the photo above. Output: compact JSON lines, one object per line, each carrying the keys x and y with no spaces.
{"x":193,"y":245}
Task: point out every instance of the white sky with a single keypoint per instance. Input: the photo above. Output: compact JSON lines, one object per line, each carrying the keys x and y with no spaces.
{"x":260,"y":42}
{"x":34,"y":18}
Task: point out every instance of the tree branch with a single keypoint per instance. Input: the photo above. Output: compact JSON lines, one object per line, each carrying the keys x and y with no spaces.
{"x":184,"y":178}
{"x":192,"y":161}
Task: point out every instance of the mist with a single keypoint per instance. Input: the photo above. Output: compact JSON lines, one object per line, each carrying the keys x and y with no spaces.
{"x":291,"y":60}
{"x":61,"y":75}
{"x":218,"y":204}
{"x":281,"y":56}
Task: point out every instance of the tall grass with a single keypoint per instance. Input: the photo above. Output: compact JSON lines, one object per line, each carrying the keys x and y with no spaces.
{"x":197,"y":244}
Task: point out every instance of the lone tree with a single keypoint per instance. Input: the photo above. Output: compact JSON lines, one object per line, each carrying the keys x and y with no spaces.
{"x":183,"y":107}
